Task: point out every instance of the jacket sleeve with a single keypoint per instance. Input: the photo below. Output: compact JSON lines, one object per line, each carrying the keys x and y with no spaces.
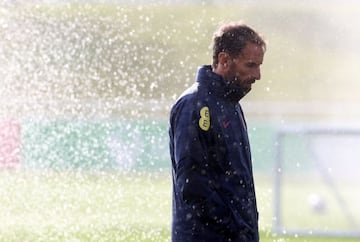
{"x":194,"y":172}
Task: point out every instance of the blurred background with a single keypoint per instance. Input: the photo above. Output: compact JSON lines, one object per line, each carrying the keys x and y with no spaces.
{"x":86,"y":90}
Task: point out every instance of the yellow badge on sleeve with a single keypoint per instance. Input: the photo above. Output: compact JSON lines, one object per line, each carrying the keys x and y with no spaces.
{"x":204,"y":121}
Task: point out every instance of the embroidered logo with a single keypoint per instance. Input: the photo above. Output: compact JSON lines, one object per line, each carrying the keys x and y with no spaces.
{"x":204,"y":121}
{"x":226,"y":124}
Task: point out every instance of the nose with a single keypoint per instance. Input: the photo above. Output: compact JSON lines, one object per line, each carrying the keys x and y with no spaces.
{"x":257,"y":74}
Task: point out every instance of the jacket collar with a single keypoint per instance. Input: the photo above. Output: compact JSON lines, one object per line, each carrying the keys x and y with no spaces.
{"x":218,"y":85}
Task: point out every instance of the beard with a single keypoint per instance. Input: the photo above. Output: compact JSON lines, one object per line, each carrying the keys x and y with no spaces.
{"x":236,"y":83}
{"x":235,"y":90}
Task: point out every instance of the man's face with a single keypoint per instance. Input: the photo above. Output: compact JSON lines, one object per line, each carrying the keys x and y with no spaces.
{"x":244,"y":70}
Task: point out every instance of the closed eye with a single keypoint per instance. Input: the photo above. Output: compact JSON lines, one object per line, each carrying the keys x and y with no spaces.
{"x":252,"y":65}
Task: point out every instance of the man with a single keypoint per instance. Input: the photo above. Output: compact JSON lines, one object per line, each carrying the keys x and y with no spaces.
{"x":213,"y":187}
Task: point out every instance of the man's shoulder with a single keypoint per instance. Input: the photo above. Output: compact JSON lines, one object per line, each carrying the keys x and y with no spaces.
{"x":190,"y":92}
{"x":187,"y":97}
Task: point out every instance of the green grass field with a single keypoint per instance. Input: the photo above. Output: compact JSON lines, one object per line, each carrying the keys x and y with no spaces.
{"x":100,"y":206}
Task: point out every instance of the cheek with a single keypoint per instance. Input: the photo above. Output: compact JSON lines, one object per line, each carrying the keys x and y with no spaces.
{"x":237,"y":70}
{"x":241,"y":74}
{"x":240,"y":71}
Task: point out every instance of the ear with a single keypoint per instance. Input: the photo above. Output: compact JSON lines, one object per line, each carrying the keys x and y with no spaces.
{"x":224,"y":60}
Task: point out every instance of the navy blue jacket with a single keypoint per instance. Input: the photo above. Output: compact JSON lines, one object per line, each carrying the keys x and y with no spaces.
{"x":213,"y":187}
